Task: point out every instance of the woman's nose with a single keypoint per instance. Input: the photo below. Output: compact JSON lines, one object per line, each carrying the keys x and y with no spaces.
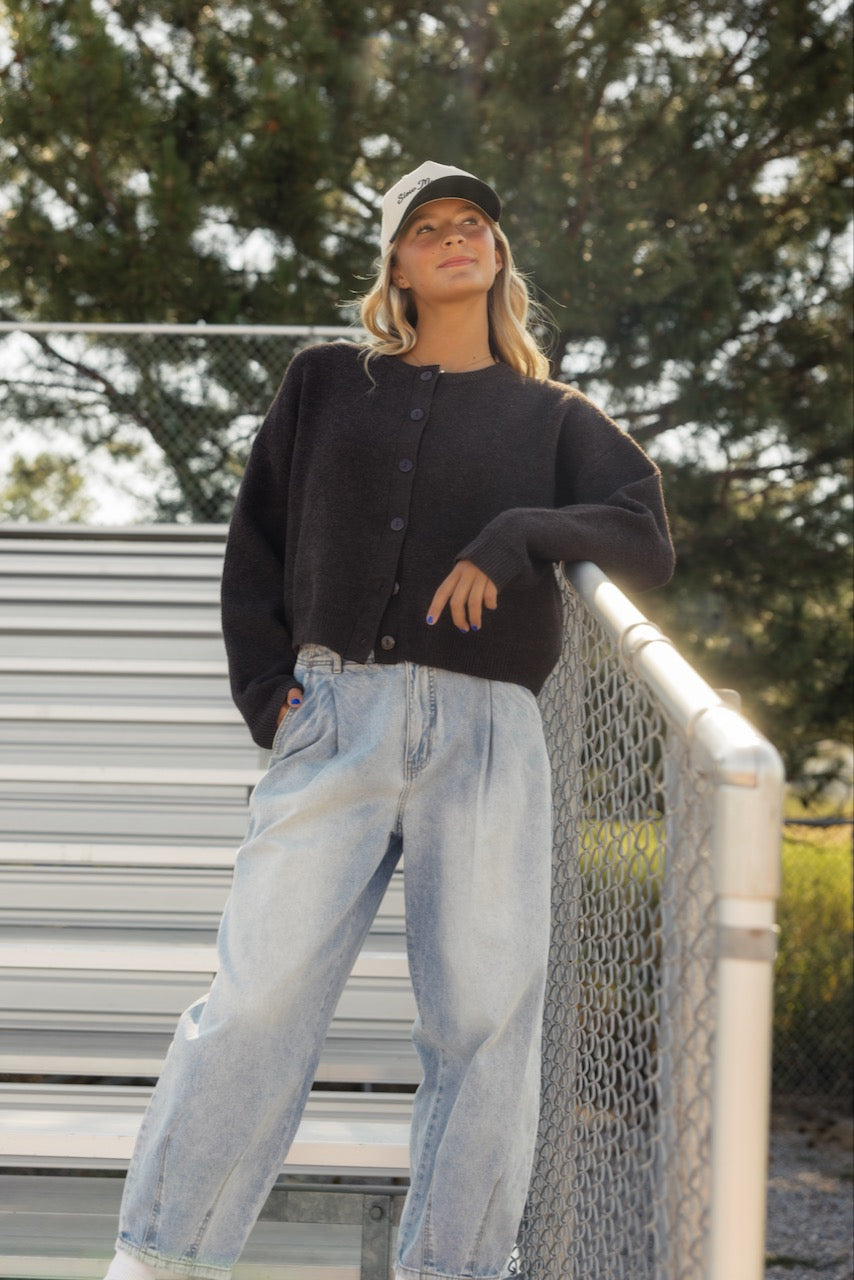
{"x":453,"y":233}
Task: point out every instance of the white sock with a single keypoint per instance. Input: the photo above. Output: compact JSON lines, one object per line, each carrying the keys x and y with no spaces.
{"x":124,"y":1267}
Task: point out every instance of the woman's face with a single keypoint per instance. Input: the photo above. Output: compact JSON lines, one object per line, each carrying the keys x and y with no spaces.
{"x":446,"y":252}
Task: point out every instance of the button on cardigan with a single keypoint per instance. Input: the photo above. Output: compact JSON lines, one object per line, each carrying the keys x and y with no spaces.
{"x":363,"y":488}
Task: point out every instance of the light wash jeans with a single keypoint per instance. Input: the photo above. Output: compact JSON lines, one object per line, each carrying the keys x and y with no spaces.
{"x":378,"y":759}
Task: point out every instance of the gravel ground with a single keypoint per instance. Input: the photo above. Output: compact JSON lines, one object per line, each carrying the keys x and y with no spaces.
{"x":810,"y":1233}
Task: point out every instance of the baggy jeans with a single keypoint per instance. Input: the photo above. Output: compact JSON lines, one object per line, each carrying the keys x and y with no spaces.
{"x":452,"y":771}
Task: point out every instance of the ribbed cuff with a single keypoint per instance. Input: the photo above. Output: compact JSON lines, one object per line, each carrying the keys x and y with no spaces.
{"x":500,"y":563}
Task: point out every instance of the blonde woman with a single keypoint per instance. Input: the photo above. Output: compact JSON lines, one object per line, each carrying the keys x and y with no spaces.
{"x":390,"y":613}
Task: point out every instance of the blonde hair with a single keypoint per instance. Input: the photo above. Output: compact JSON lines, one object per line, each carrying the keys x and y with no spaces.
{"x":388,"y":313}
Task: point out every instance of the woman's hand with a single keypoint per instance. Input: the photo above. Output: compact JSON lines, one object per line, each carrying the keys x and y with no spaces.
{"x":293,"y":698}
{"x":469,"y":591}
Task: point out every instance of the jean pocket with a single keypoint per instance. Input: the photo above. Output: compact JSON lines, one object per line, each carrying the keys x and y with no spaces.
{"x":309,"y":730}
{"x":286,"y":724}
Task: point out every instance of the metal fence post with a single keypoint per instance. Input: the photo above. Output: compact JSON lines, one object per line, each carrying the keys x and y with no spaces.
{"x":746,"y":857}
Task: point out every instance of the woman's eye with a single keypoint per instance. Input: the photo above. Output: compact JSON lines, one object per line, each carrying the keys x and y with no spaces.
{"x":470,"y":220}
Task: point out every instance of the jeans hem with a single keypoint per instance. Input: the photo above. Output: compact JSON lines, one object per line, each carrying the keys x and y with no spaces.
{"x":176,"y":1266}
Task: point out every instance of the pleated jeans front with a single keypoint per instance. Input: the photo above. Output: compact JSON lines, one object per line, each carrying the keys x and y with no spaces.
{"x":379,"y":760}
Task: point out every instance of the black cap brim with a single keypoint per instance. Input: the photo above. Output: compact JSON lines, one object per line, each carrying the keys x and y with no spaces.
{"x":455,"y":186}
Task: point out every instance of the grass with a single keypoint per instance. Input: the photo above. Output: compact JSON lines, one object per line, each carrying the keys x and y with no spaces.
{"x":814,"y":981}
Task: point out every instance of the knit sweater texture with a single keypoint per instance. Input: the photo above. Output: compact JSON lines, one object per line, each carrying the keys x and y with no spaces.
{"x":362,"y":490}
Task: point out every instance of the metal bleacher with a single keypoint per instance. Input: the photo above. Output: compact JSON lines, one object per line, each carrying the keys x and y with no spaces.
{"x":124,"y":777}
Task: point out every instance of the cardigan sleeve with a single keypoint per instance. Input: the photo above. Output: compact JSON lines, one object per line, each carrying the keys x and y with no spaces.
{"x":255,"y":627}
{"x":609,"y":509}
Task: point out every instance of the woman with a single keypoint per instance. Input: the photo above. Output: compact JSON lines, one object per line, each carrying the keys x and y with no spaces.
{"x":390,"y":612}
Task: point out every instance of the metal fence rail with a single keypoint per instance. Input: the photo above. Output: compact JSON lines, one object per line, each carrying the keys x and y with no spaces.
{"x":653,"y":1138}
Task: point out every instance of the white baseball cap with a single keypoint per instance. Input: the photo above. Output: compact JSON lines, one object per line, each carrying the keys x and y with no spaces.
{"x":432,"y":181}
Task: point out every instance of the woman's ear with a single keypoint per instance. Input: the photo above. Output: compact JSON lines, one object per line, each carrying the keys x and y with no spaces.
{"x":395,"y":274}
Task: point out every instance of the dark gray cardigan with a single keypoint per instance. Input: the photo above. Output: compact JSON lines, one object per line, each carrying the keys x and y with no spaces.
{"x":361,"y":491}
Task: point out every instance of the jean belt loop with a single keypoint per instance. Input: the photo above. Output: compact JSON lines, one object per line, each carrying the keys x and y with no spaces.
{"x":319,"y":658}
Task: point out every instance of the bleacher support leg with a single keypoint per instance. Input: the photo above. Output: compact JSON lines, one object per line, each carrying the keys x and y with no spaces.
{"x":377,"y":1222}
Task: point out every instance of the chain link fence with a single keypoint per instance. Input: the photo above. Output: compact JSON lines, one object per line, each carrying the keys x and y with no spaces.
{"x":622,"y":1178}
{"x":163,"y":413}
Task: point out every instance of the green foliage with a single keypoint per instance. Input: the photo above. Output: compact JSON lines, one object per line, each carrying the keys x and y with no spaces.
{"x":814,"y":985}
{"x":47,"y":487}
{"x":676,"y":181}
{"x":186,"y":130}
{"x":764,"y":599}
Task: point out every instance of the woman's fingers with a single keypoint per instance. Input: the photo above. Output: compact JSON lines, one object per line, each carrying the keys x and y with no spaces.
{"x":467,"y":590}
{"x":472,"y":606}
{"x":293,"y":698}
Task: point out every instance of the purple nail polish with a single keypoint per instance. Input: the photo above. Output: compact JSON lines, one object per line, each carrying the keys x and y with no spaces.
{"x":430,"y":620}
{"x":474,"y":628}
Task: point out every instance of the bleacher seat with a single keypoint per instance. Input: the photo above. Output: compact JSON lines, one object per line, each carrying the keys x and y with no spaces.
{"x":124,"y":776}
